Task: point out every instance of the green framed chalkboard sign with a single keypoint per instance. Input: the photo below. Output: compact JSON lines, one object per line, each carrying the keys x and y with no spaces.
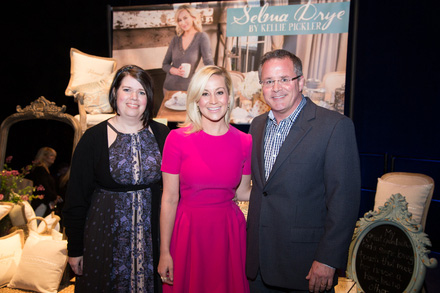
{"x":388,"y":251}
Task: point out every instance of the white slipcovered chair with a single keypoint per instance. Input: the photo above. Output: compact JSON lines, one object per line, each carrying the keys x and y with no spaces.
{"x":90,"y":80}
{"x":415,"y":187}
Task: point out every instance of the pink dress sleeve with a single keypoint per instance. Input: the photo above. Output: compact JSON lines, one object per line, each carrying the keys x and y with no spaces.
{"x":171,"y":157}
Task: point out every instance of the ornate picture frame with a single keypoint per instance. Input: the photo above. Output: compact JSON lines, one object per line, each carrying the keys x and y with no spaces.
{"x":41,"y":108}
{"x":388,"y":250}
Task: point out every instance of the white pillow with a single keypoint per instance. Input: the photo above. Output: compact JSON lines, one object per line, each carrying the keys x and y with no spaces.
{"x":415,"y":195}
{"x":42,"y":264}
{"x":95,"y":95}
{"x":17,"y":215}
{"x":11,"y":247}
{"x":85,"y":68}
{"x":56,"y":235}
{"x":5,"y":208}
{"x":29,"y":214}
{"x":51,"y":222}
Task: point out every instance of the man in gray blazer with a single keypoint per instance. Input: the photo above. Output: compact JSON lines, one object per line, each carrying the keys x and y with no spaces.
{"x":306,"y":186}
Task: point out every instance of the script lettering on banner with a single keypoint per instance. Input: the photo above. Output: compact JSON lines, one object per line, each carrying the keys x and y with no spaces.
{"x":309,"y":18}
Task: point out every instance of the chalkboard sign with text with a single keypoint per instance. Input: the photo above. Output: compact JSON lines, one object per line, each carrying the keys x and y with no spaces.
{"x":388,"y":252}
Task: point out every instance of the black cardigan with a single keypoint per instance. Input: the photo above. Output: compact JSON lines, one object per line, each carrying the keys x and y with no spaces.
{"x":90,"y":169}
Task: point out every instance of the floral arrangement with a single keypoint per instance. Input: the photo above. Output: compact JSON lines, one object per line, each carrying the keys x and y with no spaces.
{"x":12,"y":187}
{"x":250,"y":86}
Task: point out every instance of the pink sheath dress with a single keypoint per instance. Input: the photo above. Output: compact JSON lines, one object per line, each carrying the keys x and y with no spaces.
{"x":208,"y":243}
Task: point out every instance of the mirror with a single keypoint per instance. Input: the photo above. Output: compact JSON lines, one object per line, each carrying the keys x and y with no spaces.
{"x":388,"y":251}
{"x":41,"y":110}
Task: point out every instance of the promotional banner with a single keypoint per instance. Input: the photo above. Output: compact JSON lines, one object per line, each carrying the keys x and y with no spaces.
{"x":237,"y":34}
{"x":268,"y":20}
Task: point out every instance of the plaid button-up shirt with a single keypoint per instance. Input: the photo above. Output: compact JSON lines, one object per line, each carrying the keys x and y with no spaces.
{"x":275,"y":136}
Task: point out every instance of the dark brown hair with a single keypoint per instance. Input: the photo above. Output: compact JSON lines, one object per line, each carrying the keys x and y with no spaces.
{"x":281,"y":54}
{"x":144,"y":79}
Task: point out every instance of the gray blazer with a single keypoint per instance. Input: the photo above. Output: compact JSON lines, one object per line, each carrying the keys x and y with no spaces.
{"x":308,"y":207}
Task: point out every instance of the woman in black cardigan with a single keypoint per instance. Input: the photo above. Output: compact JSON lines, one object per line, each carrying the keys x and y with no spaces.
{"x":114,"y":191}
{"x":40,"y":176}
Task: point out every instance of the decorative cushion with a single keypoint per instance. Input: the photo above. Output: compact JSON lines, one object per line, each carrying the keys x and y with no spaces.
{"x":48,"y":227}
{"x":17,"y":215}
{"x":11,"y":247}
{"x":29,"y":214}
{"x":42,"y":264}
{"x":56,"y":235}
{"x":85,"y":68}
{"x":415,"y":195}
{"x":51,"y":222}
{"x":5,"y":208}
{"x":95,"y":95}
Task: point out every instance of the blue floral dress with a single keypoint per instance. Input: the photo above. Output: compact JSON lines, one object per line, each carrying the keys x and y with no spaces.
{"x":119,"y":256}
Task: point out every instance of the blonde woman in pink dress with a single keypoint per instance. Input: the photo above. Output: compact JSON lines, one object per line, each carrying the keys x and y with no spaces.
{"x":205,"y":165}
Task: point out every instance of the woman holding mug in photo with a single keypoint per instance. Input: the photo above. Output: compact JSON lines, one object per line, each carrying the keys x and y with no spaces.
{"x":185,"y":50}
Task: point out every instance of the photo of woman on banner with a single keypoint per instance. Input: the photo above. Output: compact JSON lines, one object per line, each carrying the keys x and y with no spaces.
{"x":185,"y":50}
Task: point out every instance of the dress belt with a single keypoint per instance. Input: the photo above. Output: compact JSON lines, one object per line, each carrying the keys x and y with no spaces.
{"x":126,"y":188}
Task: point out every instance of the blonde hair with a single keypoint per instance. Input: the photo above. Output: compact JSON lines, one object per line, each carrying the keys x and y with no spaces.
{"x":195,"y":91}
{"x":197,"y":23}
{"x":43,"y":152}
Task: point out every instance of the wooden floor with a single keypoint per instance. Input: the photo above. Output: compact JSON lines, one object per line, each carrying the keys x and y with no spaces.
{"x":344,"y":286}
{"x":68,"y":289}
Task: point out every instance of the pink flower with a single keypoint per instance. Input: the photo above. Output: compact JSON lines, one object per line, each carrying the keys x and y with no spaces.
{"x":25,"y":197}
{"x":40,"y":188}
{"x":2,"y":196}
{"x":15,"y":173}
{"x":40,"y":196}
{"x":8,"y":159}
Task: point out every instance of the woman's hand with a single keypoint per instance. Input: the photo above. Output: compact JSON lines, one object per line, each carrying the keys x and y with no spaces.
{"x":166,"y":269}
{"x":76,"y":263}
{"x":177,"y":71}
{"x":170,"y":199}
{"x":59,"y":199}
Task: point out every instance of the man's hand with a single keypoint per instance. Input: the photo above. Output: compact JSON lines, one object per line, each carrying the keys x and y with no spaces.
{"x":320,"y":277}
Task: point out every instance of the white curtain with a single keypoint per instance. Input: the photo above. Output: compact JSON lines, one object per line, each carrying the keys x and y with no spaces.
{"x":277,"y":41}
{"x":322,"y":53}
